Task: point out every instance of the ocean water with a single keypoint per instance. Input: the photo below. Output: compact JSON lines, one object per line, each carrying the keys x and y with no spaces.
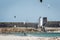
{"x":46,"y":34}
{"x":37,"y":34}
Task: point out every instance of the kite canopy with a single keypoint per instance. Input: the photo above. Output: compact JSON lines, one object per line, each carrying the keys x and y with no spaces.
{"x":41,"y":1}
{"x":14,"y":16}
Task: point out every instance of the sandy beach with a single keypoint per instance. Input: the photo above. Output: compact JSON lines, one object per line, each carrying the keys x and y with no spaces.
{"x":12,"y":37}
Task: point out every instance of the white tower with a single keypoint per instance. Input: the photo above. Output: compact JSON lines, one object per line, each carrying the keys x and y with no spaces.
{"x":24,"y":22}
{"x":40,"y":22}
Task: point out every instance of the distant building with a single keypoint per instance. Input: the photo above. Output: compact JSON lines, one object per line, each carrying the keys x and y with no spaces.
{"x":42,"y":22}
{"x":53,"y":24}
{"x":47,"y":23}
{"x":18,"y":24}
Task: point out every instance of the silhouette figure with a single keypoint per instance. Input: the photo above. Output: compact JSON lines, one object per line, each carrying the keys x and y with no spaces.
{"x":24,"y":34}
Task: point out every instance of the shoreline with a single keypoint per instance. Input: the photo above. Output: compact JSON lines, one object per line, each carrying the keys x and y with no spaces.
{"x":12,"y":37}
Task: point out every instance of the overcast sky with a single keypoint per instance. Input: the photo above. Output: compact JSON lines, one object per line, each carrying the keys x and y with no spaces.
{"x":29,"y":10}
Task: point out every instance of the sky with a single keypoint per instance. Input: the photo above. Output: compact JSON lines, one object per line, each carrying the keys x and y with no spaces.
{"x":29,"y":10}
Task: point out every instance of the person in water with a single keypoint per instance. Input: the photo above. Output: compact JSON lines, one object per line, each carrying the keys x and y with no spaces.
{"x":24,"y":34}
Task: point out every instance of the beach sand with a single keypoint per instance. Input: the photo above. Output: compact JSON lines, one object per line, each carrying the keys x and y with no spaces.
{"x":12,"y":37}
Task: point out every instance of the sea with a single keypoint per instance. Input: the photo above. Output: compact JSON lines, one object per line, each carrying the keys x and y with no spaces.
{"x":35,"y":34}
